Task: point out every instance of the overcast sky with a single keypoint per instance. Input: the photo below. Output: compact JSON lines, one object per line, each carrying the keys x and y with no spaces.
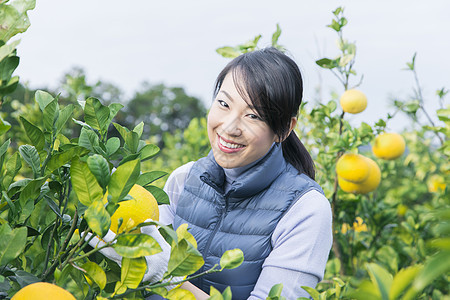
{"x":174,"y":41}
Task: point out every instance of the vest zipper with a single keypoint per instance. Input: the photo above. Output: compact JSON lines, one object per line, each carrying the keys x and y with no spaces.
{"x":223,"y":214}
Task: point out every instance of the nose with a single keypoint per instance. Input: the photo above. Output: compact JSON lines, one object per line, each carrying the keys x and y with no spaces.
{"x":232,"y":127}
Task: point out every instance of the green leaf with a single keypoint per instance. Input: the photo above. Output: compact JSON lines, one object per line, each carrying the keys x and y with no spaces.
{"x":13,"y":165}
{"x":184,"y":259}
{"x":43,"y":99}
{"x":53,"y":206}
{"x":136,"y":245}
{"x":4,"y":126}
{"x":33,"y":132}
{"x":139,"y":129}
{"x":411,"y":106}
{"x":228,"y":52}
{"x":64,"y":116}
{"x":276,"y":36}
{"x":51,"y":112}
{"x":24,"y":278}
{"x":335,"y":25}
{"x":326,"y":63}
{"x":402,"y":280}
{"x":88,"y":139}
{"x":180,"y":294}
{"x":227,"y":294}
{"x":149,"y":177}
{"x":159,"y":194}
{"x":389,"y":257}
{"x":112,"y":145}
{"x":132,"y":271}
{"x":131,"y":138}
{"x":31,"y":190}
{"x":275,"y":292}
{"x":443,"y":114}
{"x":232,"y":259}
{"x":14,"y":18}
{"x":11,"y":204}
{"x":31,"y":157}
{"x":3,"y":149}
{"x":183,"y":233}
{"x":61,"y":158}
{"x":312,"y":292}
{"x":12,"y":243}
{"x":96,"y":115}
{"x":10,"y":86}
{"x":6,"y":50}
{"x":434,"y":267}
{"x":123,"y":179}
{"x":113,"y":110}
{"x":380,"y":278}
{"x":98,"y":218}
{"x":100,"y":168}
{"x":148,"y":151}
{"x":337,"y":11}
{"x":95,"y":273}
{"x":214,"y":294}
{"x":84,"y":183}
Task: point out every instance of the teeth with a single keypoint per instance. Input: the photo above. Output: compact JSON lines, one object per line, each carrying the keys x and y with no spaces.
{"x":229,"y":145}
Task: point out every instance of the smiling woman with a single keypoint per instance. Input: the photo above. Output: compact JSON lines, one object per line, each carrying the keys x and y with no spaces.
{"x":255,"y":190}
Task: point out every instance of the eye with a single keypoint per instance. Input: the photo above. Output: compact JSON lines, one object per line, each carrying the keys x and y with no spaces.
{"x":222,"y":103}
{"x":254,"y":117}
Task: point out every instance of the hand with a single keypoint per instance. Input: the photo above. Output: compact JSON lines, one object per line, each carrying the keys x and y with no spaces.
{"x":109,"y":252}
{"x":156,"y":263}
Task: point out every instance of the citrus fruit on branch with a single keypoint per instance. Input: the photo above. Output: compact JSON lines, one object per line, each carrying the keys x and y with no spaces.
{"x":353,"y":101}
{"x":143,"y":206}
{"x":43,"y":291}
{"x":388,"y":146}
{"x":357,"y":174}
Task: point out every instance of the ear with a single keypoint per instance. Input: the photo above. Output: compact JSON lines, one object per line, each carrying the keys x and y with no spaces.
{"x":293,"y":124}
{"x":291,"y":127}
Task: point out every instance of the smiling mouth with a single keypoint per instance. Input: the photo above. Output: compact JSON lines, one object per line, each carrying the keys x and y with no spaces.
{"x":229,"y":145}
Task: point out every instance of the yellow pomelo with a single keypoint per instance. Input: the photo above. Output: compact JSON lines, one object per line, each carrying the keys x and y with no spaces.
{"x":353,"y":101}
{"x":388,"y":146}
{"x":143,"y":206}
{"x":352,"y":167}
{"x":367,"y":185}
{"x":43,"y":291}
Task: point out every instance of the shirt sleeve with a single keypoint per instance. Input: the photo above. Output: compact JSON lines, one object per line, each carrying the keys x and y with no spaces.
{"x":301,"y":244}
{"x":174,"y":187}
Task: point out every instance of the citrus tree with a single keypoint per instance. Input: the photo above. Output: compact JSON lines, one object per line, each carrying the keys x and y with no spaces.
{"x":59,"y":193}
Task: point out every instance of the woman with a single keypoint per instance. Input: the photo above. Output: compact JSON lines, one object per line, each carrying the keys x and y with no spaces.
{"x":255,"y":190}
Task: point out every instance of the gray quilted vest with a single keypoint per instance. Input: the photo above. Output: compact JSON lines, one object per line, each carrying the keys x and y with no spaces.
{"x":244,"y":217}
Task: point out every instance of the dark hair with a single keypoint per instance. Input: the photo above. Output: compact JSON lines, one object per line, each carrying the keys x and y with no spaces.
{"x":272,"y":82}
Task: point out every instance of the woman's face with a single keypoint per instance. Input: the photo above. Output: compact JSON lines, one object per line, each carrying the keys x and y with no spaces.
{"x":236,"y":132}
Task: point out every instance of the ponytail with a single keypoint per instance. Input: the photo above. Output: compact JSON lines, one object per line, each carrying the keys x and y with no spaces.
{"x":296,"y":154}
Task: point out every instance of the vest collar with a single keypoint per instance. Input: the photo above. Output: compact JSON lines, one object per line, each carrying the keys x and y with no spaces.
{"x":251,"y":181}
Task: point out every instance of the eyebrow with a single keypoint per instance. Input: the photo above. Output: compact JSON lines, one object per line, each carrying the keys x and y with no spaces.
{"x":228,"y":95}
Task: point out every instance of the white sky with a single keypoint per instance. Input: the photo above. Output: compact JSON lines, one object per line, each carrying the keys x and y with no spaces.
{"x":174,"y":42}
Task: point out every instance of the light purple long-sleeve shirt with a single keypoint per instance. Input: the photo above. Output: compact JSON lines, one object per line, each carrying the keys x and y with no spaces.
{"x":301,"y":240}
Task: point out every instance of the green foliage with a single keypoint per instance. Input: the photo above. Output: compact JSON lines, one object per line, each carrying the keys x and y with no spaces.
{"x":252,"y":45}
{"x":63,"y":192}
